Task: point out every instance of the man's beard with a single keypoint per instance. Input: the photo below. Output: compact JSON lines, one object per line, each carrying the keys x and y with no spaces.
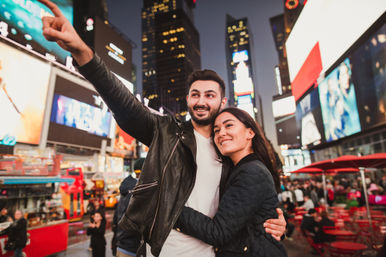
{"x":206,"y":121}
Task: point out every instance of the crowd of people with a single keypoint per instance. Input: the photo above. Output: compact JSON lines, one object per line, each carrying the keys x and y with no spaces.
{"x":309,"y":193}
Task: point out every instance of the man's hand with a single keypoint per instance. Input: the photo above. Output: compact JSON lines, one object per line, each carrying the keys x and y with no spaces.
{"x":276,"y":227}
{"x":60,"y":30}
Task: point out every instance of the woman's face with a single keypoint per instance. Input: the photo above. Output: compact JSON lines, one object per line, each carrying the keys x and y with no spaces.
{"x":232,"y":137}
{"x":18,"y":215}
{"x":97,"y":217}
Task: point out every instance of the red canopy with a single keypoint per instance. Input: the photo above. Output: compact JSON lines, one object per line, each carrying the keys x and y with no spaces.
{"x":351,"y":161}
{"x":317,"y":171}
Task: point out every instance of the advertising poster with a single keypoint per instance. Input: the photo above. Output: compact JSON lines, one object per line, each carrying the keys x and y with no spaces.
{"x":23,"y":92}
{"x":21,"y":22}
{"x":338,"y":103}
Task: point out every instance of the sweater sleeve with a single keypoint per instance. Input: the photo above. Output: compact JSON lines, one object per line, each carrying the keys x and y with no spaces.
{"x":239,"y":203}
{"x":131,"y":115}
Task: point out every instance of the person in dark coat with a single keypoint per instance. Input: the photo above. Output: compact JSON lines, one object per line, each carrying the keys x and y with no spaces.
{"x":96,"y":230}
{"x":320,"y":236}
{"x":249,"y":197}
{"x":17,"y":233}
{"x":4,"y":215}
{"x":309,"y":223}
{"x":124,"y":244}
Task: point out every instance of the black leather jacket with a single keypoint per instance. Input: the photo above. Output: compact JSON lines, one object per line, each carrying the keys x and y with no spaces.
{"x":169,"y":171}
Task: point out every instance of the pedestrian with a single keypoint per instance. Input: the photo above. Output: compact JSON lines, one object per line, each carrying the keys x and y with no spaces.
{"x":299,"y":196}
{"x":4,"y":217}
{"x":249,"y":197}
{"x":125,"y":245}
{"x":175,"y":172}
{"x":96,"y":230}
{"x":17,"y":234}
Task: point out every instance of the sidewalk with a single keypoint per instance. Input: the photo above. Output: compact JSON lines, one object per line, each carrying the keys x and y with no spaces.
{"x":81,"y":249}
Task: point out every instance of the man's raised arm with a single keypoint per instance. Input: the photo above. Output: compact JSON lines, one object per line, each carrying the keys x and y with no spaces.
{"x":58,"y":29}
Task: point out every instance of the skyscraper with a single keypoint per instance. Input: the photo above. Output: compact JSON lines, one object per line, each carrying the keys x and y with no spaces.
{"x":238,"y":48}
{"x":170,"y":52}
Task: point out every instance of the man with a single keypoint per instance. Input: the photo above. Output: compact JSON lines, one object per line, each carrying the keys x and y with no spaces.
{"x":181,"y":167}
{"x":309,"y":223}
{"x":123,"y":244}
{"x":308,"y":203}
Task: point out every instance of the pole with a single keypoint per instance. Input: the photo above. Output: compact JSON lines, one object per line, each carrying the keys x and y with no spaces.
{"x":362,"y":171}
{"x":325,"y":189}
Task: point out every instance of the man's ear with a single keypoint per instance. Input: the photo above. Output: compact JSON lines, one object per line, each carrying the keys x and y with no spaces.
{"x":224,"y":101}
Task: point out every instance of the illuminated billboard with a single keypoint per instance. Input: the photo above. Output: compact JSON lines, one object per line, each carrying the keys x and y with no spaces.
{"x":369,"y":77}
{"x":20,"y":21}
{"x":78,"y":115}
{"x":309,"y":119}
{"x":240,"y":56}
{"x":23,"y":92}
{"x":113,"y":49}
{"x":283,"y":106}
{"x":338,"y":103}
{"x":243,"y":84}
{"x":73,"y":113}
{"x":334,"y":25}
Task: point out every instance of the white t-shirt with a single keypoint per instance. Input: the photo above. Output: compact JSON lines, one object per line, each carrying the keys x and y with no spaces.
{"x":299,"y":195}
{"x":204,"y":198}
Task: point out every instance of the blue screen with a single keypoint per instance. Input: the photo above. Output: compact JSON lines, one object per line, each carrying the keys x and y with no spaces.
{"x":73,"y":113}
{"x":338,"y":103}
{"x":23,"y":19}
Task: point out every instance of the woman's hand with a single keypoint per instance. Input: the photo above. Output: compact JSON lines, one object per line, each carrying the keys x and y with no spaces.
{"x":276,"y":227}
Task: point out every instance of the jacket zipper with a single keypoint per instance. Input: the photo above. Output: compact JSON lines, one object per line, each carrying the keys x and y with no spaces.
{"x":162,"y":178}
{"x":143,"y":187}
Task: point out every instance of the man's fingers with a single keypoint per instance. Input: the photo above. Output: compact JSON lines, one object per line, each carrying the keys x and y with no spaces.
{"x":53,"y":35}
{"x":47,"y":21}
{"x":53,"y":7}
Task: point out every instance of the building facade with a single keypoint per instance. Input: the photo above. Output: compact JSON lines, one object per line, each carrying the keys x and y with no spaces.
{"x":238,"y":48}
{"x":170,"y":52}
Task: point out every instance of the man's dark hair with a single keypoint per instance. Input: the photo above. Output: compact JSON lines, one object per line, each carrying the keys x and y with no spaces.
{"x":206,"y":75}
{"x":311,"y":211}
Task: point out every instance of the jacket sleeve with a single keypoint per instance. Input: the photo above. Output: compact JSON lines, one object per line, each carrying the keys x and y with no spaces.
{"x":97,"y":231}
{"x":238,"y":204}
{"x":131,"y":115}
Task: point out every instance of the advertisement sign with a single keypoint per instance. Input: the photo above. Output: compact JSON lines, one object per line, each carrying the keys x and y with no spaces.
{"x":309,"y":119}
{"x":23,"y":93}
{"x":369,"y":76}
{"x":73,"y":113}
{"x":338,"y":103}
{"x":21,"y":21}
{"x":334,"y":25}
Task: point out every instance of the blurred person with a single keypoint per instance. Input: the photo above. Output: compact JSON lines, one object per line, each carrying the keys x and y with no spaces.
{"x":182,"y":150}
{"x":4,"y":217}
{"x":17,"y":234}
{"x":299,"y":196}
{"x":250,"y":196}
{"x":308,"y":203}
{"x":96,"y":230}
{"x":320,"y":236}
{"x":124,"y":244}
{"x":309,"y":223}
{"x":96,"y":207}
{"x":314,"y":197}
{"x":330,"y":194}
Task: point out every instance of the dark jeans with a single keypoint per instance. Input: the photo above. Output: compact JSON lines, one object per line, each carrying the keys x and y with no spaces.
{"x":18,"y":252}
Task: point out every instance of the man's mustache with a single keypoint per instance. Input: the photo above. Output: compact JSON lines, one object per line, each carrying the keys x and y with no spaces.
{"x":201,"y":107}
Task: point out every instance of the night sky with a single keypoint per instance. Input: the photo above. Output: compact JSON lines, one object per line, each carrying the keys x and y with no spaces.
{"x":209,"y":19}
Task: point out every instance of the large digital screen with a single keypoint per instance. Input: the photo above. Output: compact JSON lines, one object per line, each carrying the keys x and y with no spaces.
{"x":20,"y":20}
{"x":338,"y":102}
{"x":309,"y":120}
{"x":73,"y":113}
{"x":23,"y":92}
{"x":78,"y":115}
{"x":335,"y":25}
{"x":369,"y":77}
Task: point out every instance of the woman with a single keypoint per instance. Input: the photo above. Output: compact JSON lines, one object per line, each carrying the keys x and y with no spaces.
{"x":97,"y":231}
{"x":17,"y":234}
{"x":249,"y":197}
